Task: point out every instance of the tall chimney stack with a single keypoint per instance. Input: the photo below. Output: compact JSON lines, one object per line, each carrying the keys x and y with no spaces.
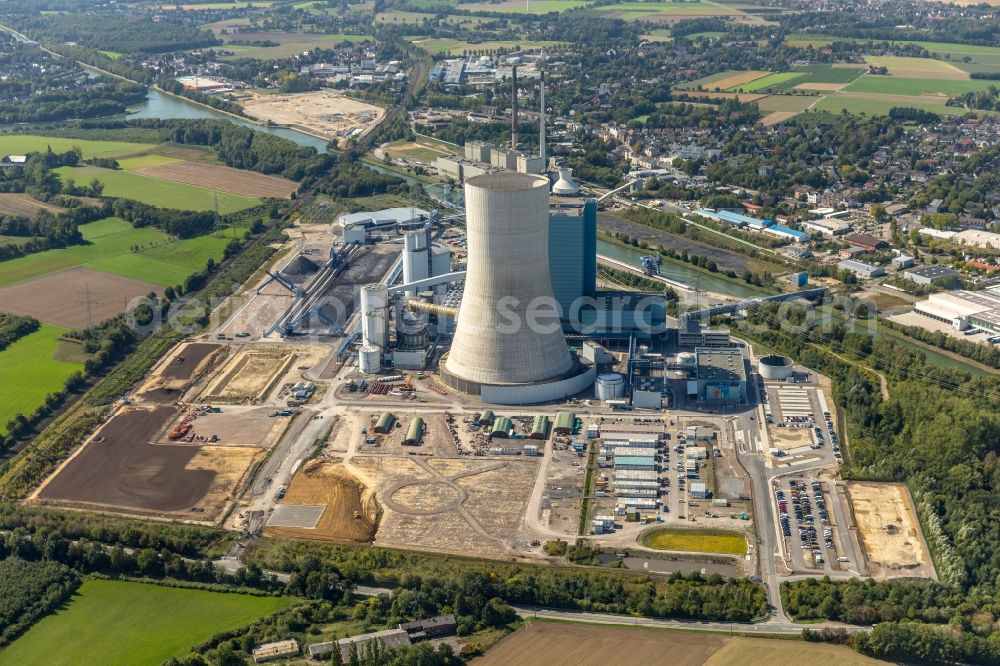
{"x":541,"y":122}
{"x":513,"y":112}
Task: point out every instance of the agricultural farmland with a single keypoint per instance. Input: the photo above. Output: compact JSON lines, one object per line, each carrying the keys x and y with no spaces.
{"x":592,"y":645}
{"x":29,"y":371}
{"x":118,"y":623}
{"x":768,"y":82}
{"x":663,"y":11}
{"x":157,"y":192}
{"x":109,"y":247}
{"x":24,"y":205}
{"x":222,"y":179}
{"x":20,"y":144}
{"x":289,"y":43}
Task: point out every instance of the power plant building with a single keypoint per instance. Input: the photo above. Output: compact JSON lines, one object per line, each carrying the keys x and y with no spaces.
{"x":573,"y":252}
{"x":721,"y":377}
{"x":506,"y":348}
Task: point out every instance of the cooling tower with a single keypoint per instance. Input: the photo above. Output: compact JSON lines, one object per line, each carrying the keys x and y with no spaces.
{"x":507,"y":224}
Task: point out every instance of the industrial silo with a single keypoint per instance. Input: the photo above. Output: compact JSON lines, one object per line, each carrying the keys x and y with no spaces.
{"x":370,"y":360}
{"x":375,"y":315}
{"x":495,"y":340}
{"x":609,"y":386}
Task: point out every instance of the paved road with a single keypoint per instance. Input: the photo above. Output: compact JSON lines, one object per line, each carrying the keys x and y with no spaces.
{"x":785,"y":627}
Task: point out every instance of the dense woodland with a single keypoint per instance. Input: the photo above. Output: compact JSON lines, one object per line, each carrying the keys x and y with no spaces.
{"x":29,"y":590}
{"x":116,"y":33}
{"x":13,"y":328}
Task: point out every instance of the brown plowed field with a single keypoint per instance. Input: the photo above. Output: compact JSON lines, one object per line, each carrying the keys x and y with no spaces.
{"x":24,"y":205}
{"x":329,"y":484}
{"x":63,"y":296}
{"x":223,"y":179}
{"x":187,"y":360}
{"x":121,"y":469}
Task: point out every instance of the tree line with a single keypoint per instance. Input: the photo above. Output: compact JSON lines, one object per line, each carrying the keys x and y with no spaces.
{"x":30,"y":590}
{"x":14,"y":327}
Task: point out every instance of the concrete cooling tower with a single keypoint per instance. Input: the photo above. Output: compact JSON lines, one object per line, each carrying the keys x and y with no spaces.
{"x":507,"y":227}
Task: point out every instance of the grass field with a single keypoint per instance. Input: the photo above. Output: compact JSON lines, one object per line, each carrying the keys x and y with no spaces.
{"x":638,"y":11}
{"x":28,"y":372}
{"x":400,"y":17}
{"x":767,"y":82}
{"x":926,"y":68}
{"x":458,"y":47}
{"x":129,"y":624}
{"x":287,"y":49}
{"x":529,"y":7}
{"x":129,"y":163}
{"x":157,"y":192}
{"x":795,"y":103}
{"x":695,"y":541}
{"x":894,"y":85}
{"x":877,"y":104}
{"x":109,"y":248}
{"x":19,"y":144}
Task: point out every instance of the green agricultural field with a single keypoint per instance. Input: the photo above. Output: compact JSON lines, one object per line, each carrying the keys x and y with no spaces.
{"x":157,"y":192}
{"x":116,"y":623}
{"x":894,"y":85}
{"x":129,"y":163}
{"x":695,"y":540}
{"x":637,"y":11}
{"x":528,"y":6}
{"x":774,"y":80}
{"x":108,"y":247}
{"x":28,"y":372}
{"x":290,"y":49}
{"x":19,"y":144}
{"x":874,"y":104}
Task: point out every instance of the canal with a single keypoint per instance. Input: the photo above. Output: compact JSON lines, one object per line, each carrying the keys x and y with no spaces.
{"x":679,"y":272}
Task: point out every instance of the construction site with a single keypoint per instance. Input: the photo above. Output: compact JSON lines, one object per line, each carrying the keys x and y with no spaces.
{"x":890,"y":532}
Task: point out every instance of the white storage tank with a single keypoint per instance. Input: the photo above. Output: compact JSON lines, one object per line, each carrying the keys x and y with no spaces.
{"x":609,"y":385}
{"x":775,"y":367}
{"x":375,"y":315}
{"x":370,"y":359}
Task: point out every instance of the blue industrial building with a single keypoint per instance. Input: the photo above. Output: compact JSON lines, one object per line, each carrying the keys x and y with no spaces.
{"x":735,"y":219}
{"x":788,"y":233}
{"x":573,"y":252}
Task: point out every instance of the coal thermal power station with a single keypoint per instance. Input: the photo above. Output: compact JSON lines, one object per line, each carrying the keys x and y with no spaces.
{"x":497,"y":352}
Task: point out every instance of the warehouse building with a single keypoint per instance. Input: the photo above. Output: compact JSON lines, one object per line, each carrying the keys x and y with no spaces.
{"x":963,"y":309}
{"x":635,"y":462}
{"x":389,"y":638}
{"x":721,"y":376}
{"x":414,"y":433}
{"x":435,"y":627}
{"x":860,"y":268}
{"x":698,"y":490}
{"x":930,"y":275}
{"x":827,"y":226}
{"x":385,"y":423}
{"x":787,"y":233}
{"x":565,"y":423}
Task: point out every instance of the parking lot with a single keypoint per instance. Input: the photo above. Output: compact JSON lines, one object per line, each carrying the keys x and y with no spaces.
{"x":814,"y":525}
{"x":800,"y":425}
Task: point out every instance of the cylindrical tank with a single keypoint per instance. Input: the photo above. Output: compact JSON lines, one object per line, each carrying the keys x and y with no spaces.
{"x":375,"y":315}
{"x":609,"y":386}
{"x":440,"y":264}
{"x":411,"y":331}
{"x":370,"y":360}
{"x":775,"y":367}
{"x":496,"y":340}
